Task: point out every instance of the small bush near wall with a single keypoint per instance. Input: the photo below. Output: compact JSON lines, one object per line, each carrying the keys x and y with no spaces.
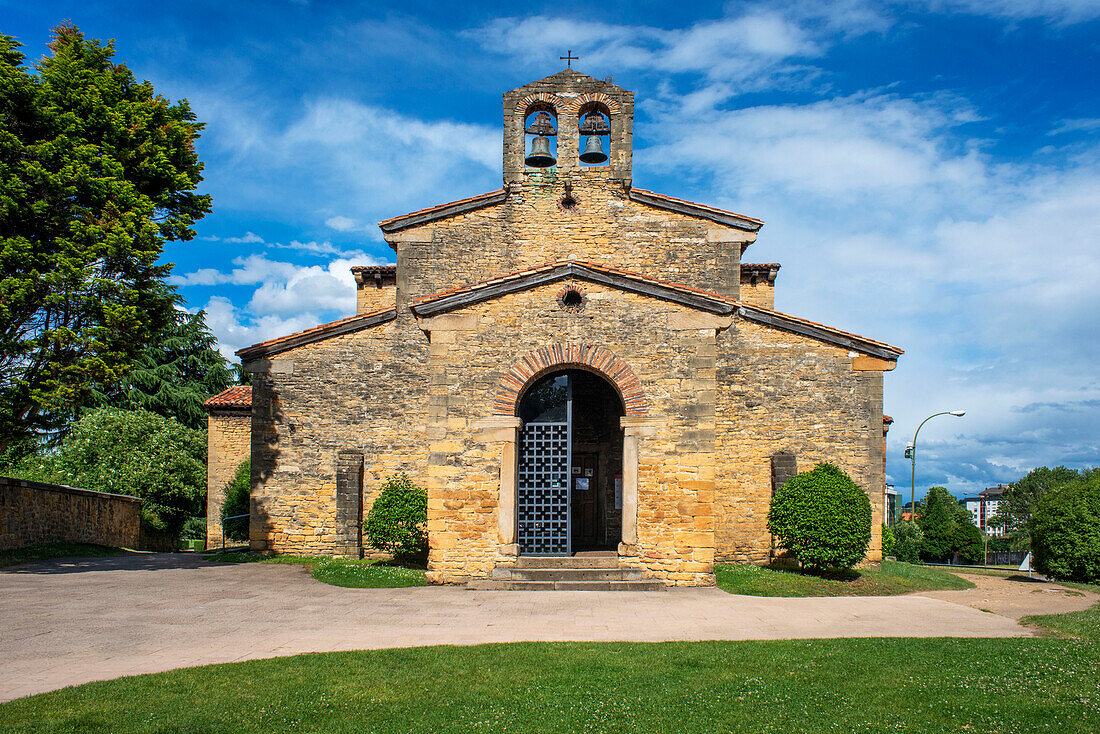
{"x":887,"y":540}
{"x":1065,"y":530}
{"x":907,"y":541}
{"x":397,"y":521}
{"x":823,"y":517}
{"x":236,"y":503}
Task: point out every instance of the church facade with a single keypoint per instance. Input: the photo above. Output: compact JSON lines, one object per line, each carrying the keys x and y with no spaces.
{"x":569,"y":363}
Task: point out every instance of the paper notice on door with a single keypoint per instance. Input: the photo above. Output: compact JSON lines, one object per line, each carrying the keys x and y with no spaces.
{"x":581,"y":483}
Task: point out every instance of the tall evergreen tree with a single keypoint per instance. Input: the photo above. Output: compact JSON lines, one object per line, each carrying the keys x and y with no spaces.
{"x":175,"y":374}
{"x":97,"y":172}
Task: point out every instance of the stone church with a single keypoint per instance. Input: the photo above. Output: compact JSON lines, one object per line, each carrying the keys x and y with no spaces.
{"x":570,"y":365}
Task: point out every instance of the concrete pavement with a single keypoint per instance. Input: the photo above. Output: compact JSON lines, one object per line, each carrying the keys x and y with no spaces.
{"x":71,"y":621}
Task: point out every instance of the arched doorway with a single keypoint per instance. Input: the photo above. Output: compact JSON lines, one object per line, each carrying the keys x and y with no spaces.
{"x":570,"y":465}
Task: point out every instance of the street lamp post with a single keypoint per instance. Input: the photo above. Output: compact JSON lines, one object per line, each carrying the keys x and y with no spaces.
{"x":913,"y":459}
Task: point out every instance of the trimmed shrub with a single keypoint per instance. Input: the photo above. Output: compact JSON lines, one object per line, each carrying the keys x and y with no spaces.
{"x":907,"y":541}
{"x":1065,"y":530}
{"x":397,"y":521}
{"x":823,"y":517}
{"x":888,"y":540}
{"x":236,"y":503}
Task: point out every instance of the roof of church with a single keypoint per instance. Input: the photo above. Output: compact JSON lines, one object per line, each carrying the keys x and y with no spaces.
{"x":237,"y":396}
{"x":383,"y":269}
{"x":569,"y":74}
{"x":317,"y":333}
{"x":642,"y":196}
{"x":694,"y":297}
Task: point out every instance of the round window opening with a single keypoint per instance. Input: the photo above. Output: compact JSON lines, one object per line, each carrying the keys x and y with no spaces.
{"x":571,"y":300}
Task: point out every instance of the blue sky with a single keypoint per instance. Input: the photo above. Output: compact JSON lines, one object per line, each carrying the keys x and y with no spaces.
{"x":928,"y":170}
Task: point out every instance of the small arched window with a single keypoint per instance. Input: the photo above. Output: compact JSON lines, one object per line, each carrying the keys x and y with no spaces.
{"x":594,"y":123}
{"x":540,"y":133}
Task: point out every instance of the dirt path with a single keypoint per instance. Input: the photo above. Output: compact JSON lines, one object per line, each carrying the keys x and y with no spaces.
{"x":1016,"y":596}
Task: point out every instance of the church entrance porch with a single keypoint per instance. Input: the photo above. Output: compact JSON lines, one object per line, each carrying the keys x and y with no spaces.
{"x":569,"y":489}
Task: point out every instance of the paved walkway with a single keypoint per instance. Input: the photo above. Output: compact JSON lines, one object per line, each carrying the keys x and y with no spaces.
{"x":72,"y":621}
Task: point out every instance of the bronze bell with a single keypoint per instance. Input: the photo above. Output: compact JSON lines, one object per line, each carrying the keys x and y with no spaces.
{"x":593,"y":151}
{"x":540,"y":155}
{"x":594,"y":124}
{"x":542,"y":125}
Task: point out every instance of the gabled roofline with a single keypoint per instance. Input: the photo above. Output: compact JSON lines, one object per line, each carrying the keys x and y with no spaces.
{"x":317,"y":333}
{"x":821,"y":332}
{"x":683,"y":206}
{"x":444,"y":301}
{"x":442,"y":211}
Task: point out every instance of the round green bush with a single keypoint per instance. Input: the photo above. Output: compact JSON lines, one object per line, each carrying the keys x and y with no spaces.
{"x":236,"y":503}
{"x":908,"y":538}
{"x":397,"y":521}
{"x":823,"y":517}
{"x":1065,"y":531}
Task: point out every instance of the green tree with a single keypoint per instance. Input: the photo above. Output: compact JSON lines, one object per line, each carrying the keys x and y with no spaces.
{"x":97,"y":172}
{"x":132,"y":452}
{"x":938,"y":522}
{"x":237,"y":503}
{"x":175,"y":374}
{"x":1018,"y":501}
{"x":948,"y":529}
{"x":907,"y":541}
{"x":823,"y":517}
{"x":397,"y":521}
{"x":1065,"y":529}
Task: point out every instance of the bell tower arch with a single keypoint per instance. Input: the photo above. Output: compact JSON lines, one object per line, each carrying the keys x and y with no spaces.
{"x":576,"y":100}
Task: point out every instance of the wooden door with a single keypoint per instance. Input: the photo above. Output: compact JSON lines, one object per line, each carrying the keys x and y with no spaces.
{"x":585,"y":480}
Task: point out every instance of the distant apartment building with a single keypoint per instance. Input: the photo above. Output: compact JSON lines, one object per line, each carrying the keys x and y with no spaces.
{"x":984,"y":506}
{"x":892,"y":509}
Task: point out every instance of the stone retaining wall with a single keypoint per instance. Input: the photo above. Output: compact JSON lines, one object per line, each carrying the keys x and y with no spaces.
{"x":34,"y":512}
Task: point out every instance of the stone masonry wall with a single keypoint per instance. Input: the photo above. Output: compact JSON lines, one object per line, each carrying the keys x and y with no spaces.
{"x":363,"y":392}
{"x":228,"y":441}
{"x":532,"y":228}
{"x":781,"y":392}
{"x":760,"y":293}
{"x":33,"y":513}
{"x":672,"y":351}
{"x":370,"y":297}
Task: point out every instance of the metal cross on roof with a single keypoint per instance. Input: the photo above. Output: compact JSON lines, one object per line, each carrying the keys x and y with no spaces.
{"x":569,"y":58}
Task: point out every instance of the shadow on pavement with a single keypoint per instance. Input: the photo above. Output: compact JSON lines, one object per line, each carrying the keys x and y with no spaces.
{"x":124,"y":562}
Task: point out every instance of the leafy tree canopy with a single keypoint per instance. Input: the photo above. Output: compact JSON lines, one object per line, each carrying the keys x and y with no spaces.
{"x":944,"y":524}
{"x":175,"y":374}
{"x":131,"y":452}
{"x":237,"y":503}
{"x":97,"y":172}
{"x":1018,"y":501}
{"x":1065,"y":529}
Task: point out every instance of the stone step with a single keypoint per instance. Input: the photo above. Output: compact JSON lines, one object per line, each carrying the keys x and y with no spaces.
{"x":567,"y":574}
{"x":567,"y":562}
{"x":502,"y":585}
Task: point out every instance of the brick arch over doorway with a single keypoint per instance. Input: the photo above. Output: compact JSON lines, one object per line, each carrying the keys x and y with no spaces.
{"x":601,"y":360}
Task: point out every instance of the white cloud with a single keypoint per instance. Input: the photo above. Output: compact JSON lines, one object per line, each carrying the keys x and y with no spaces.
{"x":1059,"y":12}
{"x":342,"y":224}
{"x":248,"y":238}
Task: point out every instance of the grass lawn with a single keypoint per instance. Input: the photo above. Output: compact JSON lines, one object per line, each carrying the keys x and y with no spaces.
{"x":891,"y":578}
{"x":355,"y":574}
{"x":846,"y":685}
{"x":47,"y":551}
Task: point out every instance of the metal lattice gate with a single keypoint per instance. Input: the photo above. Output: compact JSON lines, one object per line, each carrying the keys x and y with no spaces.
{"x":543,"y":507}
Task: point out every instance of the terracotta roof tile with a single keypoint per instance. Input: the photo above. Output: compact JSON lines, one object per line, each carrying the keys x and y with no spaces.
{"x":703,"y":208}
{"x":394,"y":222}
{"x":320,"y":331}
{"x":382,"y":269}
{"x":237,"y":396}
